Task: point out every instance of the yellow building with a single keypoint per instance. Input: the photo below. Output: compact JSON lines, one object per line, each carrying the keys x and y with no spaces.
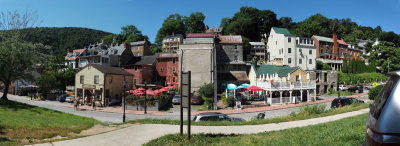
{"x":283,"y":84}
{"x":101,"y":83}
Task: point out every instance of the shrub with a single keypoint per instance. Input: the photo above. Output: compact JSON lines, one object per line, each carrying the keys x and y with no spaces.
{"x":165,"y":102}
{"x":230,"y":101}
{"x":207,"y":90}
{"x":208,"y":102}
{"x":330,"y":91}
{"x":224,"y":98}
{"x":373,"y":93}
{"x":312,"y":109}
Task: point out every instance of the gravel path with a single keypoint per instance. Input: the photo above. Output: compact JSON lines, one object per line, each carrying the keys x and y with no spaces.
{"x":140,"y":134}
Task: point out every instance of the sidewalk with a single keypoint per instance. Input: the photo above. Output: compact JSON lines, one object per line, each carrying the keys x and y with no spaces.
{"x":140,"y":134}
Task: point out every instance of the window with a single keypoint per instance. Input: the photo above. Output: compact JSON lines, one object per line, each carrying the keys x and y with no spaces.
{"x":310,"y":52}
{"x":312,"y":42}
{"x":173,"y":70}
{"x":138,"y":48}
{"x":236,"y":58}
{"x":297,"y":78}
{"x":297,"y":41}
{"x":289,"y":40}
{"x":138,"y":54}
{"x":289,"y":60}
{"x":96,"y":79}
{"x":173,"y":79}
{"x":300,"y":50}
{"x":82,"y":78}
{"x":135,"y":68}
{"x":289,"y":50}
{"x":300,"y":61}
{"x":173,"y":61}
{"x":110,"y":81}
{"x":310,"y":61}
{"x":134,"y":81}
{"x":162,"y":69}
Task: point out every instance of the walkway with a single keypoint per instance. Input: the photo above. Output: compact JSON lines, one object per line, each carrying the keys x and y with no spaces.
{"x":140,"y":134}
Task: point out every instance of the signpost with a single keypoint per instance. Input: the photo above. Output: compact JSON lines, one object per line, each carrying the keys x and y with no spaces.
{"x":185,"y":100}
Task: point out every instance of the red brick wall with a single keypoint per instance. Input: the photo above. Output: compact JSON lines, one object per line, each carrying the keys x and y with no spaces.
{"x":167,"y":66}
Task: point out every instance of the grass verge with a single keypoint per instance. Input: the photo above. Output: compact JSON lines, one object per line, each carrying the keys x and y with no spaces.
{"x":21,"y":123}
{"x":342,"y":93}
{"x":306,"y":112}
{"x":347,"y":131}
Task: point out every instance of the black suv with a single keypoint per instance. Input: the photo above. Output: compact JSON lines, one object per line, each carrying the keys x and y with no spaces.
{"x":356,"y":89}
{"x":344,"y":101}
{"x":215,"y":116}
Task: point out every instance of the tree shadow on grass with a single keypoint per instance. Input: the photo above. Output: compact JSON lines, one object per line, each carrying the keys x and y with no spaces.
{"x":2,"y":132}
{"x":17,"y":106}
{"x":220,"y":135}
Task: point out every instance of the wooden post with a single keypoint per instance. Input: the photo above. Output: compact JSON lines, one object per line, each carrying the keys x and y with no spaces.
{"x":181,"y":108}
{"x":189,"y":104}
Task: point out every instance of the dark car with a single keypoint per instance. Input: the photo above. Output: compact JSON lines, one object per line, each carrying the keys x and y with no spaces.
{"x":356,"y":89}
{"x":343,"y":102}
{"x":62,"y":97}
{"x":382,"y":125}
{"x":215,"y":116}
{"x":196,"y":100}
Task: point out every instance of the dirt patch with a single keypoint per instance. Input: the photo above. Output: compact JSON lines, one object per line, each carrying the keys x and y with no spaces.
{"x":97,"y":129}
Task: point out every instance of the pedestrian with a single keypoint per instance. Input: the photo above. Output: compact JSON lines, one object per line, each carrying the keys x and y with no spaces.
{"x":75,"y":104}
{"x":32,"y":96}
{"x":37,"y":95}
{"x":94,"y":104}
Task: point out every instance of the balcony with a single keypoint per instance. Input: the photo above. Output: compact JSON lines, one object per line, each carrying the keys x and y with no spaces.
{"x":329,"y":60}
{"x":284,"y":86}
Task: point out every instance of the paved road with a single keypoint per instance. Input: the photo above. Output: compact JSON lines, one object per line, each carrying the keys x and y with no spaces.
{"x":140,"y":134}
{"x":109,"y":117}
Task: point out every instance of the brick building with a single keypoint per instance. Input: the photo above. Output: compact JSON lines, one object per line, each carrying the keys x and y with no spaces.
{"x":143,"y":69}
{"x":167,"y":66}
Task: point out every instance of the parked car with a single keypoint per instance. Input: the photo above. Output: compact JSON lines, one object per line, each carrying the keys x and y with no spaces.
{"x":176,"y":99}
{"x":215,"y":116}
{"x":115,"y":102}
{"x":342,"y":87}
{"x":382,"y":125}
{"x":196,"y":100}
{"x":70,"y":98}
{"x":356,"y":89}
{"x":369,"y":86}
{"x":62,"y":97}
{"x":343,"y":102}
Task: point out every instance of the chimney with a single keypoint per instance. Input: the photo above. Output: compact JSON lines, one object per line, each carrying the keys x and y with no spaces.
{"x":335,"y":47}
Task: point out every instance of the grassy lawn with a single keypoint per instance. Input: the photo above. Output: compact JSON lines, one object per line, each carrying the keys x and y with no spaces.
{"x":22,"y":123}
{"x":342,"y":93}
{"x":306,"y":112}
{"x":348,"y":131}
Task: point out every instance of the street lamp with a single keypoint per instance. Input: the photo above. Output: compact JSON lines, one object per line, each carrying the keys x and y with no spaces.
{"x":124,"y":83}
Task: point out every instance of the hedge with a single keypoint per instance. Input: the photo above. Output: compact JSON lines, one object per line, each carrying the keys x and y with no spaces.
{"x":367,"y":77}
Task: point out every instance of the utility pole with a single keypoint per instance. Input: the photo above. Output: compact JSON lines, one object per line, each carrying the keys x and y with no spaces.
{"x":215,"y":75}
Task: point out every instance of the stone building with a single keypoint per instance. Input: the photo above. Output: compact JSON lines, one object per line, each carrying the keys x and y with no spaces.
{"x":324,"y":79}
{"x":140,"y":48}
{"x":230,"y":65}
{"x":258,"y":50}
{"x":198,"y":56}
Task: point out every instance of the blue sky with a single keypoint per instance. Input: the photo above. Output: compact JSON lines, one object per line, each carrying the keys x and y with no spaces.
{"x":148,"y":15}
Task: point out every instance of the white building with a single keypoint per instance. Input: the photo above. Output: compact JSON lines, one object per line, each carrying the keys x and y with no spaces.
{"x":287,"y":49}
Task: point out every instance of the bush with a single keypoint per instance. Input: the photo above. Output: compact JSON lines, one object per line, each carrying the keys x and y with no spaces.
{"x":224,"y":98}
{"x":312,"y":110}
{"x":208,"y":102}
{"x":330,"y":91}
{"x":367,"y":77}
{"x":230,"y":101}
{"x":165,"y":102}
{"x":323,"y":66}
{"x":207,"y":90}
{"x":373,"y":93}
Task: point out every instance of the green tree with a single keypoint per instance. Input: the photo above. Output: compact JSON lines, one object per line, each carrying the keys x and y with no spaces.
{"x":129,"y":33}
{"x":344,"y":66}
{"x":154,"y":48}
{"x":174,"y":23}
{"x":383,"y":56}
{"x":323,"y":66}
{"x":250,"y":22}
{"x":195,"y":23}
{"x":314,"y":25}
{"x":286,"y":22}
{"x":17,"y":57}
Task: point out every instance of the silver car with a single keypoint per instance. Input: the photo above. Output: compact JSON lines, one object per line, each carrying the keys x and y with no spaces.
{"x":176,"y":99}
{"x":215,"y":116}
{"x":383,"y":126}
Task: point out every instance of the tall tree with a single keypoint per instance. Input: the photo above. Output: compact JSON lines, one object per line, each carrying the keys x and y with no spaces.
{"x":250,"y":22}
{"x":286,"y":22}
{"x":17,"y":56}
{"x":174,"y":23}
{"x":129,"y":33}
{"x":195,"y":23}
{"x":344,"y":67}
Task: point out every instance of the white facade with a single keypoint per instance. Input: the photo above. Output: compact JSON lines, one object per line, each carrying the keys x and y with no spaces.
{"x":287,"y":49}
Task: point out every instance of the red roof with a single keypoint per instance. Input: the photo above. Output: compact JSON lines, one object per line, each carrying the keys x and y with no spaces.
{"x":200,"y":35}
{"x":342,"y":42}
{"x":78,"y":53}
{"x":231,"y":39}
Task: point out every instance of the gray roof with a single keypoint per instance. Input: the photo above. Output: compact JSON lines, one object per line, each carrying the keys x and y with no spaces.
{"x":198,"y":41}
{"x":114,"y":50}
{"x":321,"y":38}
{"x":146,"y":60}
{"x":173,"y":36}
{"x":109,"y":69}
{"x":257,"y":43}
{"x":138,"y":43}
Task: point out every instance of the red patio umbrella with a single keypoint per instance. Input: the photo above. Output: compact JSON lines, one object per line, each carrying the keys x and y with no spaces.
{"x":131,"y":91}
{"x":141,"y":89}
{"x":171,"y":83}
{"x":164,"y":89}
{"x":138,"y":93}
{"x":254,"y":88}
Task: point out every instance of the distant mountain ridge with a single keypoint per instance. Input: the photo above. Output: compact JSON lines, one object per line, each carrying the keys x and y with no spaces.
{"x":63,"y":38}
